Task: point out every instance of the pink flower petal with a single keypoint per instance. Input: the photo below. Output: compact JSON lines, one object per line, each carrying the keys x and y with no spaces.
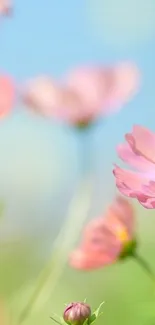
{"x":105,"y":90}
{"x":74,"y":108}
{"x":5,"y":7}
{"x":147,"y":198}
{"x":90,"y":84}
{"x":136,"y":185}
{"x":7,"y":95}
{"x":129,"y":183}
{"x":127,"y":80}
{"x":127,"y":155}
{"x":142,"y":142}
{"x":42,"y":95}
{"x":146,"y":201}
{"x":122,"y":211}
{"x":149,"y":189}
{"x":98,"y":237}
{"x":124,"y":82}
{"x":87,"y":260}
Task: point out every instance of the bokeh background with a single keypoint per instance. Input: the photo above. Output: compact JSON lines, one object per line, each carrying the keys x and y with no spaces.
{"x":42,"y":161}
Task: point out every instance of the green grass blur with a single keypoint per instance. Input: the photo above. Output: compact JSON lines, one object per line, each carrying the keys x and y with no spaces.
{"x":128,"y":292}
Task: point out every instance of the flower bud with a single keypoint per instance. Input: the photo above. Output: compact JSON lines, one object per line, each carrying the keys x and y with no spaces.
{"x":76,"y":313}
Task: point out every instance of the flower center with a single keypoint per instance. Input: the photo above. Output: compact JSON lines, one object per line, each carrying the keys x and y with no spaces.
{"x":123,"y":235}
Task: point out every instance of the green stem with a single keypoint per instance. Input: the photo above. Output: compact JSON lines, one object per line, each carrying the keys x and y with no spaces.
{"x":146,"y":267}
{"x":56,"y":321}
{"x":49,"y":277}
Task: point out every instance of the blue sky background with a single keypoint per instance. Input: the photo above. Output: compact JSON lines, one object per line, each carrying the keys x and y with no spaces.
{"x":51,"y":37}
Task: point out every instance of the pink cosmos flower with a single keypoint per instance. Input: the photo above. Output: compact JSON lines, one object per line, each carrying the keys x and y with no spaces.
{"x":47,"y":97}
{"x":105,"y":238}
{"x":139,"y":153}
{"x":85,"y":94}
{"x":7,"y":95}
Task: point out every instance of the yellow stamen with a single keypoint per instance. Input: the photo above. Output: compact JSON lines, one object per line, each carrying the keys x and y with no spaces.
{"x":123,"y":235}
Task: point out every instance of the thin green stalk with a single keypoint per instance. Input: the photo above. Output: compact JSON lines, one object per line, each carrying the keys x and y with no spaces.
{"x":145,"y":266}
{"x":50,"y":275}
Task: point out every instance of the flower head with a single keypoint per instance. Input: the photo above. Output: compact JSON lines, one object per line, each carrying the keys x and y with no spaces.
{"x":76,"y":313}
{"x":139,"y":153}
{"x":86,"y":93}
{"x":106,"y":239}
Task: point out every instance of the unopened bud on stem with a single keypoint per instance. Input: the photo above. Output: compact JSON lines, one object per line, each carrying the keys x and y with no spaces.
{"x":76,"y":313}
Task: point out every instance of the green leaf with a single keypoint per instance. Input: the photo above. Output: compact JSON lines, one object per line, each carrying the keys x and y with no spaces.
{"x":95,"y":315}
{"x":86,"y":322}
{"x":57,"y":319}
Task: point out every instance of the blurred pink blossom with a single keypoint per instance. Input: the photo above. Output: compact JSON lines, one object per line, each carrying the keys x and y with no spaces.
{"x":85,"y":94}
{"x":5,"y":7}
{"x":104,"y":238}
{"x":139,"y":153}
{"x":7,"y":95}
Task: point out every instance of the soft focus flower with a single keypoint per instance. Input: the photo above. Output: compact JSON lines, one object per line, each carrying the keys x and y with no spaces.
{"x":139,"y":153}
{"x":85,"y":94}
{"x":106,"y":239}
{"x":7,"y":95}
{"x":48,"y":98}
{"x":5,"y":7}
{"x":76,"y":313}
